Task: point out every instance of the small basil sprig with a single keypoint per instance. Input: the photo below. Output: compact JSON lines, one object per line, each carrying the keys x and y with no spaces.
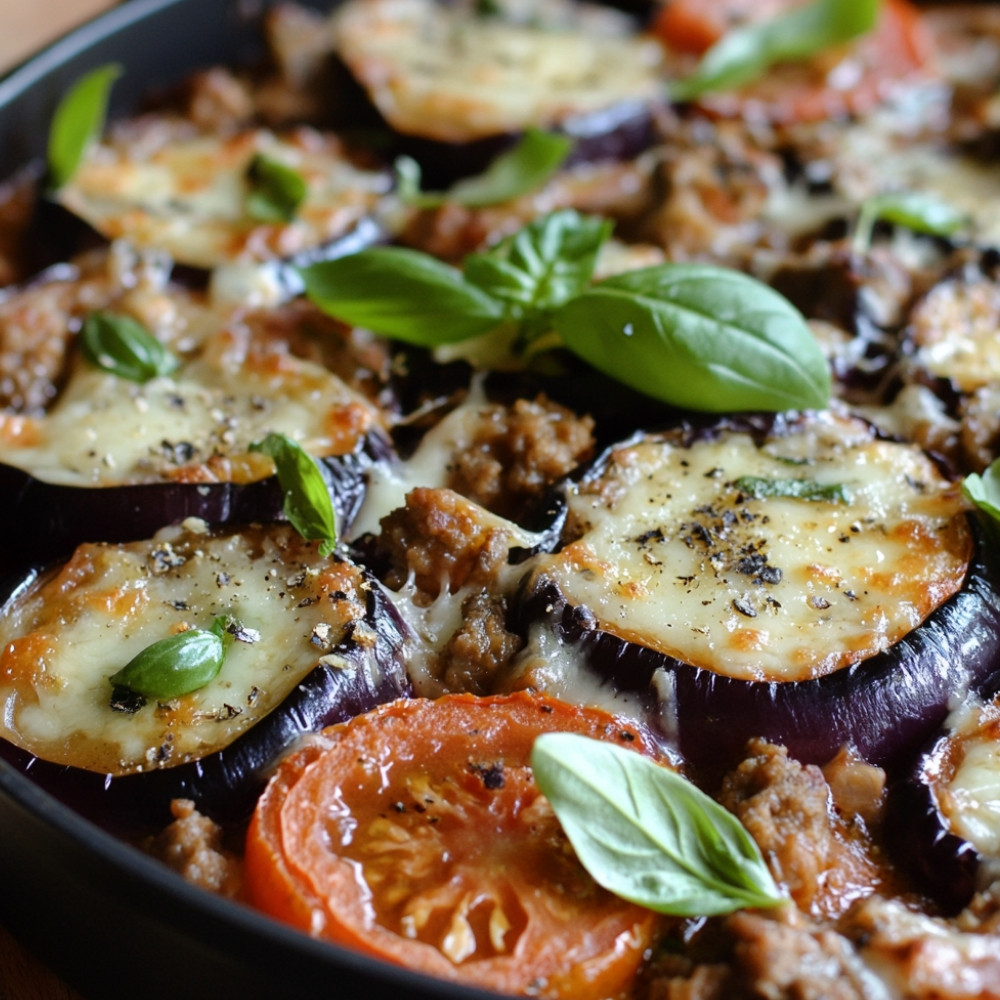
{"x":916,"y":210}
{"x":307,"y":505}
{"x":746,"y":53}
{"x":78,"y":119}
{"x":177,"y":665}
{"x":122,"y":346}
{"x":275,"y":191}
{"x":698,"y":336}
{"x":647,"y":834}
{"x":523,"y":168}
{"x":794,"y":489}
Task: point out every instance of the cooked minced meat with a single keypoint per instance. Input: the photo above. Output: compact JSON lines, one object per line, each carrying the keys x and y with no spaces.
{"x":192,"y":847}
{"x":518,"y":452}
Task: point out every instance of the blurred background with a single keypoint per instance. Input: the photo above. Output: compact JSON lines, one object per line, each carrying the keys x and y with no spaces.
{"x":27,"y":25}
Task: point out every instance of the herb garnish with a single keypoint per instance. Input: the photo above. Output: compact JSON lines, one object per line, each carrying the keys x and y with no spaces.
{"x":984,"y":491}
{"x":916,"y":210}
{"x":647,"y":834}
{"x":174,"y":666}
{"x":307,"y":504}
{"x":122,"y":346}
{"x":78,"y":119}
{"x":693,"y":335}
{"x":275,"y":190}
{"x":746,"y":53}
{"x":795,"y":489}
{"x":523,"y":168}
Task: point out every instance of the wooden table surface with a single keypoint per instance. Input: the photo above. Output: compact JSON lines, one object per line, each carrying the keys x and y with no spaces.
{"x":25,"y":26}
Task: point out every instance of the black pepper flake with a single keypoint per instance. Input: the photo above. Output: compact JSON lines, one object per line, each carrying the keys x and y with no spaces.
{"x":178,"y":605}
{"x":491,"y":775}
{"x":744,"y":607}
{"x":819,"y":603}
{"x":653,"y":535}
{"x":125,"y":700}
{"x":850,"y":595}
{"x":399,"y":807}
{"x":626,"y":736}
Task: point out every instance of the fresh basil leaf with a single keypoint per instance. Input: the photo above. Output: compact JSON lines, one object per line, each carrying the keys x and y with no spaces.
{"x":647,"y":834}
{"x":175,"y":666}
{"x":541,"y":267}
{"x":78,"y":120}
{"x":984,"y":491}
{"x":916,"y":210}
{"x":524,"y":168}
{"x":307,"y":506}
{"x":124,"y":347}
{"x":794,"y":489}
{"x":746,"y":53}
{"x":698,"y":336}
{"x":403,"y":294}
{"x":275,"y":190}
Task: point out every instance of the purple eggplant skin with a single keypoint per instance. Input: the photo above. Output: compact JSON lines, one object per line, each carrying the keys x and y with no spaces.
{"x":943,"y":863}
{"x":885,"y":707}
{"x":225,"y":785}
{"x":53,"y":519}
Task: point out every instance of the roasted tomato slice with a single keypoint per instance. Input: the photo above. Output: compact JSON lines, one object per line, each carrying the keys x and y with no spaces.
{"x":842,"y":81}
{"x":416,"y":833}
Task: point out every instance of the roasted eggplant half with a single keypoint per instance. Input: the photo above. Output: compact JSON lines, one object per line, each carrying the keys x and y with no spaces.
{"x":809,"y":582}
{"x":310,"y":641}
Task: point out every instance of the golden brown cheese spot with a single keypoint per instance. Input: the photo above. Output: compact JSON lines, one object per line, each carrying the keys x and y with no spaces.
{"x":674,"y":553}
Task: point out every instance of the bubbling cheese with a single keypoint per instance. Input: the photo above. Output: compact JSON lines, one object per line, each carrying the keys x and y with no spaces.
{"x":60,"y":642}
{"x":673,"y":553}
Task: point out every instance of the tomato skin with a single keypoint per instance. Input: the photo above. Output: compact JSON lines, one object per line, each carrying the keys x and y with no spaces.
{"x":415,"y":833}
{"x":844,"y":81}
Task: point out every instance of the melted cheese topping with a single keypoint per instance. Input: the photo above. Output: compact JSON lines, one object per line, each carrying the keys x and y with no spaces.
{"x":673,"y":555}
{"x":194,"y":426}
{"x":447,"y":73}
{"x":187,"y":196}
{"x":970,"y":798}
{"x":61,"y":642}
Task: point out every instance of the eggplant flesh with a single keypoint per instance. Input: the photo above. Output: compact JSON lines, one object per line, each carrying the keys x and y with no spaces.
{"x":341,"y":650}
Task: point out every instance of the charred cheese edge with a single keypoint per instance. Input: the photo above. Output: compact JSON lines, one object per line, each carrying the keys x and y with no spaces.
{"x":672,"y":554}
{"x":61,"y":642}
{"x":187,"y":196}
{"x":448,"y":73}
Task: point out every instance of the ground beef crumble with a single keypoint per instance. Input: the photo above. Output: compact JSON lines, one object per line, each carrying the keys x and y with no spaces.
{"x":443,"y":541}
{"x":520,"y":451}
{"x":192,"y":847}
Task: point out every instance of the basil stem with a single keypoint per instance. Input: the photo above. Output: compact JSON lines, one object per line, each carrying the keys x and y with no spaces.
{"x":307,"y":504}
{"x":275,"y":190}
{"x":78,"y":119}
{"x":746,"y":53}
{"x":914,"y":210}
{"x":177,"y":665}
{"x":647,"y":834}
{"x":700,"y":337}
{"x":522,"y":169}
{"x":794,"y":489}
{"x":124,"y":347}
{"x":403,"y":294}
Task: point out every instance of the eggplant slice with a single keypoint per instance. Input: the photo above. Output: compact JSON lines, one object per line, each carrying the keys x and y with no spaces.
{"x":318,"y":642}
{"x":814,"y":585}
